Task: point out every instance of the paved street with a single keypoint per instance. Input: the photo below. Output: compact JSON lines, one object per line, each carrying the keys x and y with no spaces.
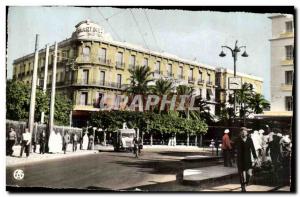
{"x":158,"y":169}
{"x":105,"y":170}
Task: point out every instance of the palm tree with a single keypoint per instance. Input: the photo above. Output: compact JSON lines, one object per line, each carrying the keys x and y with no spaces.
{"x":243,"y":97}
{"x":139,"y":79}
{"x":185,"y":90}
{"x":258,"y":103}
{"x":162,"y":87}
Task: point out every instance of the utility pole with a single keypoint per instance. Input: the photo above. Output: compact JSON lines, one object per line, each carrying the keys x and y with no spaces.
{"x":51,"y":118}
{"x":45,"y":79}
{"x":33,"y":87}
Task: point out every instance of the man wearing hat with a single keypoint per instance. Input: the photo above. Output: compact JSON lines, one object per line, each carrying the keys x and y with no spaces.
{"x":245,"y":147}
{"x":226,"y":147}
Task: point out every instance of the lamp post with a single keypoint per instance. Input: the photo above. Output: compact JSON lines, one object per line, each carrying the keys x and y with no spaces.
{"x":234,"y":52}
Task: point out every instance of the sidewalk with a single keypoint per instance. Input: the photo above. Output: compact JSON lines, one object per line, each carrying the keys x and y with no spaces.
{"x":221,"y":179}
{"x":15,"y":160}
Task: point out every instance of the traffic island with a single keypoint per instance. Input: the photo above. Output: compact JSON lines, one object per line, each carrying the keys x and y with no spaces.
{"x":208,"y":175}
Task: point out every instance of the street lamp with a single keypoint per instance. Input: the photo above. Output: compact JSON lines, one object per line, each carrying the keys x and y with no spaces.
{"x":234,"y":52}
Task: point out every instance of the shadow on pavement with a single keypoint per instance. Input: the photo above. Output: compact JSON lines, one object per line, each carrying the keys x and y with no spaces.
{"x":154,"y":166}
{"x":183,"y":154}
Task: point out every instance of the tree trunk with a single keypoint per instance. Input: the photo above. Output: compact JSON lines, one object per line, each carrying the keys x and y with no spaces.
{"x":200,"y":141}
{"x":175,"y":140}
{"x":188,"y":139}
{"x":196,"y":140}
{"x":151,"y":139}
{"x":137,"y":133}
{"x":142,"y":138}
{"x":104,"y":138}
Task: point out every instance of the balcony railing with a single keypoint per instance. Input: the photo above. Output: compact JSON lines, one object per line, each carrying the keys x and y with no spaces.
{"x":120,"y":65}
{"x":105,"y":62}
{"x":157,"y":72}
{"x":131,"y":66}
{"x":169,"y":74}
{"x":157,"y":75}
{"x":210,"y":83}
{"x":191,"y":80}
{"x":101,"y":84}
{"x":200,"y":81}
{"x":181,"y":76}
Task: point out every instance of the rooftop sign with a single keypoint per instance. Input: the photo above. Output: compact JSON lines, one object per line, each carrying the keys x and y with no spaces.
{"x":88,"y":30}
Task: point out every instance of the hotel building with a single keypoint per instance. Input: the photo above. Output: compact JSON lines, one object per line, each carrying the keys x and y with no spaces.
{"x":91,"y":64}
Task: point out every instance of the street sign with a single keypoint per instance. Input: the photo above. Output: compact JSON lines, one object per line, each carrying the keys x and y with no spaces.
{"x":235,"y":83}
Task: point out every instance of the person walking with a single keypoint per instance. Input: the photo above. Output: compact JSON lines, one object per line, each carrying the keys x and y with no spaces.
{"x":42,"y":142}
{"x":273,"y":150}
{"x":245,"y":148}
{"x":257,"y":141}
{"x":285,"y":150}
{"x":91,"y":142}
{"x":11,"y":141}
{"x":66,"y":141}
{"x":226,"y":148}
{"x":74,"y":140}
{"x":135,"y":147}
{"x":26,"y":140}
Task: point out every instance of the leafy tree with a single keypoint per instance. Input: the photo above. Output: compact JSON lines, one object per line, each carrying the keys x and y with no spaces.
{"x":63,"y":106}
{"x":148,"y":122}
{"x":18,"y":101}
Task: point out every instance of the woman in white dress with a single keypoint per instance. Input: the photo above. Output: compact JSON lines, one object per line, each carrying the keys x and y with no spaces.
{"x":59,"y":142}
{"x":51,"y":143}
{"x":85,"y":141}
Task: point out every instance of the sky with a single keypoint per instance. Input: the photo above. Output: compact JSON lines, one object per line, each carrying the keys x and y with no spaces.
{"x":188,"y":34}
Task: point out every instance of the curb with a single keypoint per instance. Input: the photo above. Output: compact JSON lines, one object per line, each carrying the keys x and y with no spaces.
{"x":224,"y":178}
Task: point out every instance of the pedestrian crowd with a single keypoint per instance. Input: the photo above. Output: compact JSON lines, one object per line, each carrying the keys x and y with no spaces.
{"x":56,"y":144}
{"x":256,"y":150}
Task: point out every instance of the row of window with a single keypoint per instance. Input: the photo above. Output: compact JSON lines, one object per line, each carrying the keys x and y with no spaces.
{"x":85,"y":78}
{"x":102,"y":54}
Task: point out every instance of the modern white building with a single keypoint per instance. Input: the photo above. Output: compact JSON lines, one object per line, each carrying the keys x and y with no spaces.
{"x":282,"y":65}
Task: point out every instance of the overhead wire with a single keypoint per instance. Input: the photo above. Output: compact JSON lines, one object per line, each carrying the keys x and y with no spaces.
{"x":106,"y":19}
{"x":139,"y":29}
{"x":152,"y":32}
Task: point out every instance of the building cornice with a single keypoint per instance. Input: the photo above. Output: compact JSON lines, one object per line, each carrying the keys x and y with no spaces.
{"x":282,"y":38}
{"x":43,"y":50}
{"x":226,"y":70}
